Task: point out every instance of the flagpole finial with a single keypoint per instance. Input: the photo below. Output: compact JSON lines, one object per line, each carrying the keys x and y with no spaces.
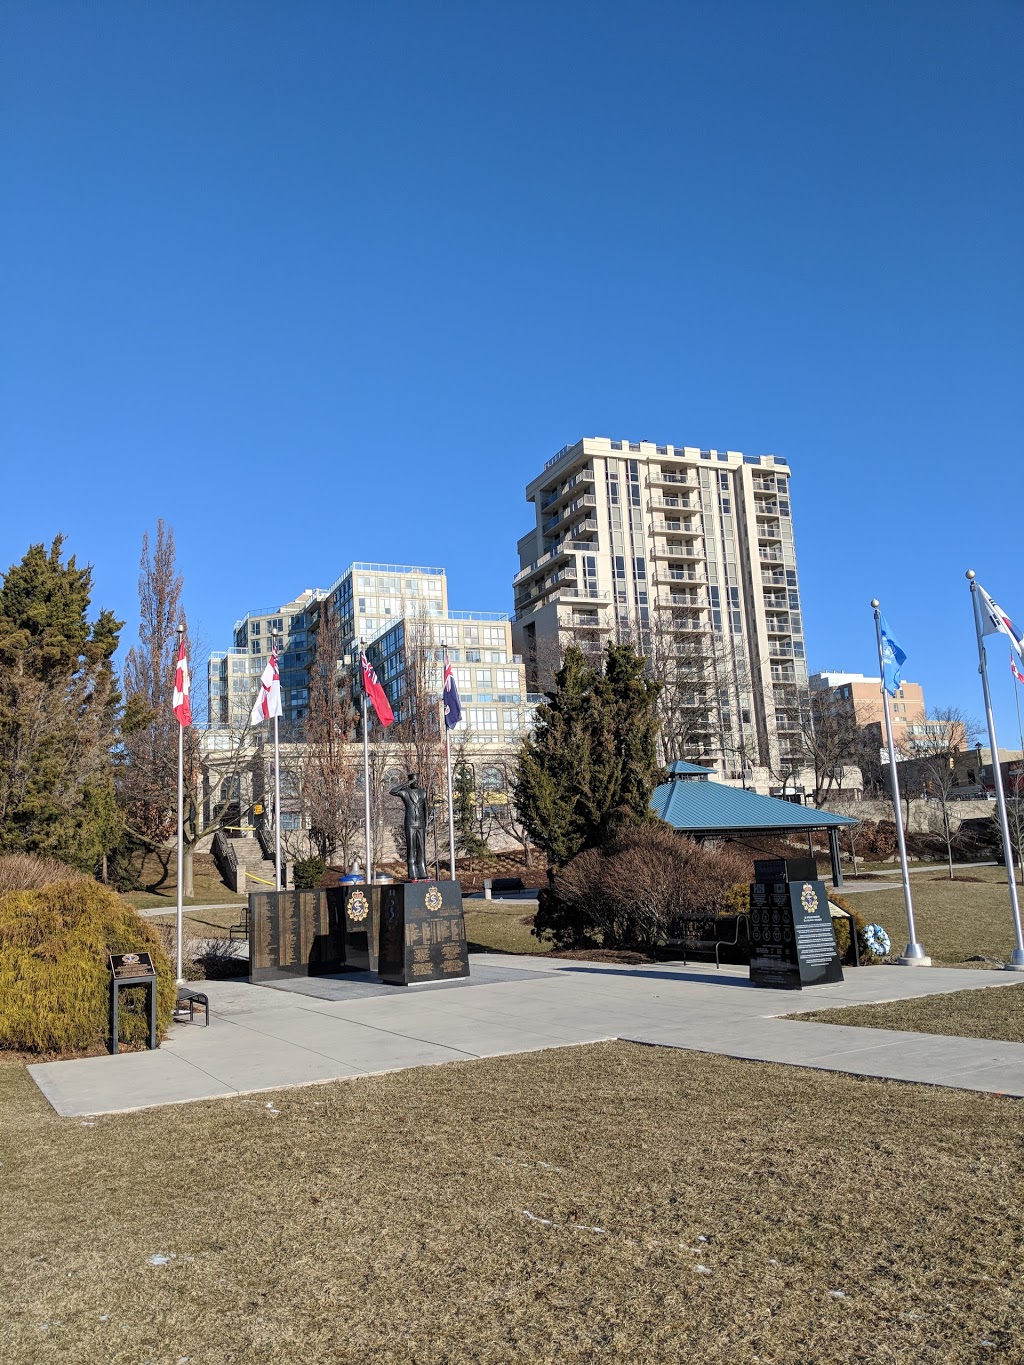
{"x":875,"y":603}
{"x":970,"y":575}
{"x":181,"y":628}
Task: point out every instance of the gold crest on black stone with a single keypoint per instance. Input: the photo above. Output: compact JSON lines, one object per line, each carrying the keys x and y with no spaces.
{"x":422,"y":933}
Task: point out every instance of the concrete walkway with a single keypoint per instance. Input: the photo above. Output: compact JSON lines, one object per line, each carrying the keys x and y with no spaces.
{"x":266,"y":1038}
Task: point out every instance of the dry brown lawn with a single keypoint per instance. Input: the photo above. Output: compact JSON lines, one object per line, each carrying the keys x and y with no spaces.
{"x":966,"y":1014}
{"x":955,"y":920}
{"x":204,"y":924}
{"x":611,"y":1203}
{"x":502,"y":927}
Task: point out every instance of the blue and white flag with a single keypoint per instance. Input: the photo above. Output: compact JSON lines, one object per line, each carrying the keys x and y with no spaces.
{"x":994,"y":620}
{"x":452,"y":705}
{"x":893,"y":659}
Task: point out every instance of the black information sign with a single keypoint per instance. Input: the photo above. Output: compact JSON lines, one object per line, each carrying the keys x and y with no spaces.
{"x":422,"y":933}
{"x":131,"y":966}
{"x":131,"y":969}
{"x":792,"y":942}
{"x":785,"y":870}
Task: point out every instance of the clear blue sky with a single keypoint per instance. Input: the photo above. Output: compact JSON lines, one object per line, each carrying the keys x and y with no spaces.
{"x":329,"y":281}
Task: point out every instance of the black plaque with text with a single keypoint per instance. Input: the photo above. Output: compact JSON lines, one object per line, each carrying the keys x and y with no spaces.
{"x":422,"y":933}
{"x":792,"y":941}
{"x":294,"y":933}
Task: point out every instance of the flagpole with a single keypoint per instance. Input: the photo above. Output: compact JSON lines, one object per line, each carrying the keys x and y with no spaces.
{"x":181,"y":826}
{"x":1016,"y":962}
{"x":1020,"y":737}
{"x":448,"y":770}
{"x":368,"y":870}
{"x":915,"y":955}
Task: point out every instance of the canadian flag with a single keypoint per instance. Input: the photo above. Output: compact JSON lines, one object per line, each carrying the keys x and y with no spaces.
{"x":268,"y":702}
{"x":180,"y":704}
{"x":1015,"y":670}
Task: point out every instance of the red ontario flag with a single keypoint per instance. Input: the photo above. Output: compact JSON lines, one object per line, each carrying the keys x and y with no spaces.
{"x":376,"y":693}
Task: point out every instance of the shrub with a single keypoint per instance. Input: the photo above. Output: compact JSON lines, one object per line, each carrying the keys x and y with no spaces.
{"x":842,"y":931}
{"x":308,"y":873}
{"x":635,"y":892}
{"x":23,"y":872}
{"x":737,"y":899}
{"x":54,"y":974}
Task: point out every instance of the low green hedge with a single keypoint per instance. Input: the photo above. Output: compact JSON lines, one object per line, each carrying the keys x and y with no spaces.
{"x":54,"y":973}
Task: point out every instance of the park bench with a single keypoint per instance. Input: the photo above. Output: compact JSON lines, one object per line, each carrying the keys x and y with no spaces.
{"x":501,"y":886}
{"x":701,"y":934}
{"x":188,"y":1000}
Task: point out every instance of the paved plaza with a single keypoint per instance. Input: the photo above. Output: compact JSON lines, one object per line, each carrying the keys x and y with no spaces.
{"x":324,"y":1029}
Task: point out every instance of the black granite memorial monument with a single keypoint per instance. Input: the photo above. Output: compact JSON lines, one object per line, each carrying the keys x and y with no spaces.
{"x":792,"y":941}
{"x":422,"y":933}
{"x":294,"y":933}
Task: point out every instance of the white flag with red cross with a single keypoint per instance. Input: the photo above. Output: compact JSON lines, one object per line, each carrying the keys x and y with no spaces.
{"x":267,"y":705}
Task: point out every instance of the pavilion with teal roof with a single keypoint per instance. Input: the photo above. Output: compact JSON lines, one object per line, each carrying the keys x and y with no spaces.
{"x":695,"y":805}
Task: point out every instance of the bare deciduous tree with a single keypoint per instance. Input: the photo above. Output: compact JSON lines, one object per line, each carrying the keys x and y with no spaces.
{"x":328,"y":780}
{"x":929,"y":762}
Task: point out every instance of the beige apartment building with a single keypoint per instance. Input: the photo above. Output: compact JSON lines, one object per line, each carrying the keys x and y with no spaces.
{"x":861,"y":697}
{"x":690,"y":554}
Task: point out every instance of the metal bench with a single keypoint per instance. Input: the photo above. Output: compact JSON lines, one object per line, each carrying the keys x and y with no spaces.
{"x":500,"y":885}
{"x":188,"y":1000}
{"x":701,"y":935}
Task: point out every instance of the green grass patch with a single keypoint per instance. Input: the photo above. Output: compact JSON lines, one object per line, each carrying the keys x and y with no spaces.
{"x":996,"y":1013}
{"x":607,"y":1203}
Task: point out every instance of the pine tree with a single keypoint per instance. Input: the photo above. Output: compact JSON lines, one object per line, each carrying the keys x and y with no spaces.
{"x":590,"y":764}
{"x":58,"y":712}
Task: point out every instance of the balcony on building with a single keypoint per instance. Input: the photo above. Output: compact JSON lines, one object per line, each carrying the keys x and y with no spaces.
{"x":673,"y":575}
{"x":671,"y":478}
{"x":673,"y":502}
{"x":566,"y":512}
{"x":688,"y":550}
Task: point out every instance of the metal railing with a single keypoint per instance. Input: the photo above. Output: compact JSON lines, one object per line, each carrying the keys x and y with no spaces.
{"x":226,"y":860}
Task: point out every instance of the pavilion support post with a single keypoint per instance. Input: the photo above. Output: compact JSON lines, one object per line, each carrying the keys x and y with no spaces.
{"x":810,"y":843}
{"x":833,"y":850}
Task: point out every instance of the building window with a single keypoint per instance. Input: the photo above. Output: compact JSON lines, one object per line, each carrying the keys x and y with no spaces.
{"x":483,"y":718}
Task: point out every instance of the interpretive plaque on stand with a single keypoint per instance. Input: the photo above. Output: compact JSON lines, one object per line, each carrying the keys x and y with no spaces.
{"x":422,"y":933}
{"x":792,"y":941}
{"x":294,"y":933}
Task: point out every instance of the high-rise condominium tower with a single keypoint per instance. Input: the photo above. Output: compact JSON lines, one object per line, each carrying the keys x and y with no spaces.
{"x":689,"y":553}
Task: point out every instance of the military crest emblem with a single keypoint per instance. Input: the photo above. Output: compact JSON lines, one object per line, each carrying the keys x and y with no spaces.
{"x":358,"y":906}
{"x":433,"y":899}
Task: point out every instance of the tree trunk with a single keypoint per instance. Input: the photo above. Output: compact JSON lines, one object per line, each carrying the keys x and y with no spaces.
{"x":186,"y":871}
{"x":853,"y":852}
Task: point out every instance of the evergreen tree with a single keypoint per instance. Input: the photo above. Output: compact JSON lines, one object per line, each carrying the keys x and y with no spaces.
{"x":58,"y":712}
{"x":590,"y":765}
